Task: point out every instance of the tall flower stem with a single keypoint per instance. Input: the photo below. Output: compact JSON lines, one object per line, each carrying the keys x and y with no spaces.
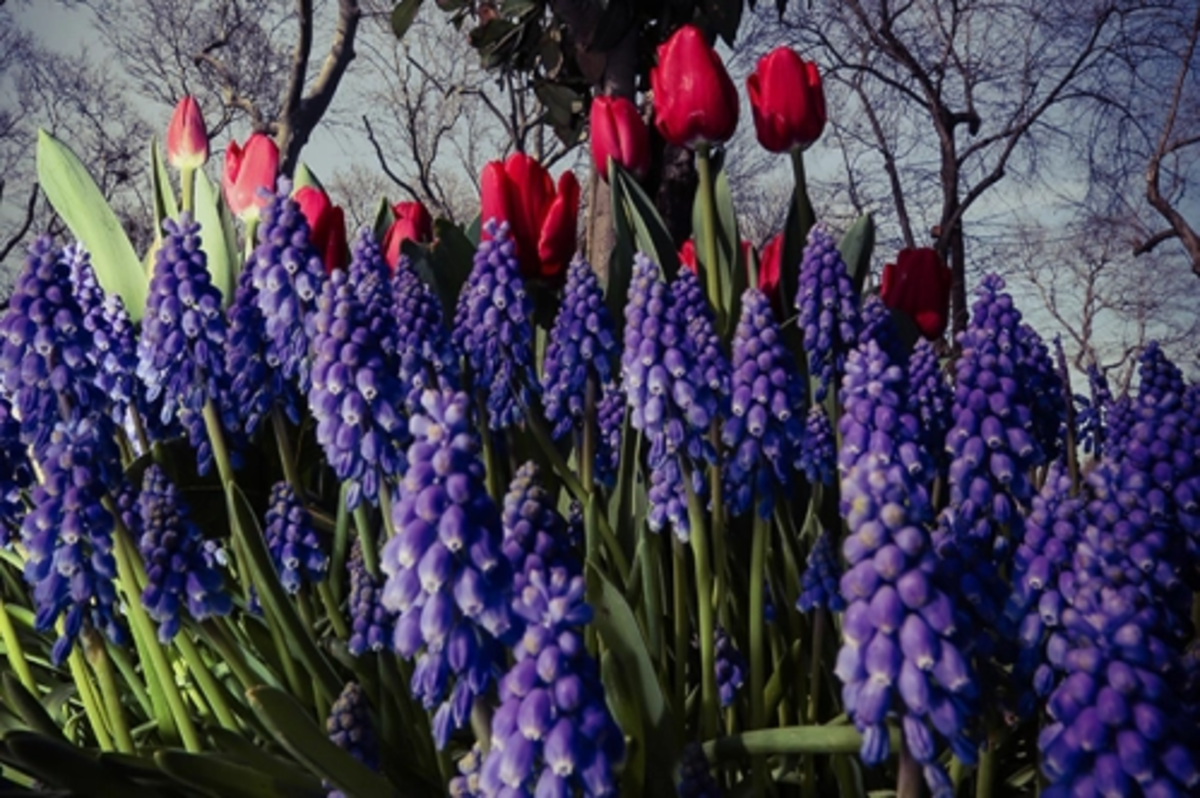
{"x":120,"y":657}
{"x":216,"y":438}
{"x":87,"y":696}
{"x":325,"y":591}
{"x":652,"y":590}
{"x":15,"y":652}
{"x":227,"y":648}
{"x":985,"y":777}
{"x":682,"y":618}
{"x":820,"y":632}
{"x":758,"y":562}
{"x":287,"y":456}
{"x":716,"y":492}
{"x":97,"y":656}
{"x":202,"y":673}
{"x":708,"y":236}
{"x":367,"y":540}
{"x":804,"y":211}
{"x":187,"y":182}
{"x":704,"y":613}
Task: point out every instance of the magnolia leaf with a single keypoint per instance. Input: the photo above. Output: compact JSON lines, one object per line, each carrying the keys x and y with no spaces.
{"x":295,"y":730}
{"x":161,"y":193}
{"x":76,"y":198}
{"x":217,"y":239}
{"x":403,"y":15}
{"x":856,"y":247}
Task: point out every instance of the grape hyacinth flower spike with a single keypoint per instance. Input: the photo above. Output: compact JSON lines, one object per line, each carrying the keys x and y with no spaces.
{"x":180,"y":575}
{"x":425,"y":355}
{"x":447,"y":576}
{"x":930,"y":398}
{"x":532,"y":525}
{"x":899,"y":653}
{"x":818,"y":453}
{"x":349,"y":728}
{"x":819,"y":582}
{"x":371,"y":624}
{"x":828,"y":306}
{"x":292,"y":541}
{"x":492,"y":329}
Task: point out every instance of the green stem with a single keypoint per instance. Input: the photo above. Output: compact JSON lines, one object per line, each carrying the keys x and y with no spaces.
{"x":129,"y":674}
{"x":366,"y":540}
{"x":985,"y":777}
{"x":251,"y":239}
{"x":332,"y":611}
{"x":97,"y":656}
{"x":87,"y":695}
{"x":790,"y":740}
{"x":216,"y":437}
{"x":187,"y":181}
{"x":341,"y":546}
{"x":708,"y":236}
{"x":820,"y":631}
{"x":15,"y":652}
{"x":758,"y":560}
{"x":716,"y":491}
{"x":651,"y":562}
{"x":201,"y":672}
{"x":142,"y":627}
{"x":804,"y":211}
{"x":385,"y":508}
{"x":232,"y":656}
{"x":709,"y":706}
{"x":287,"y":456}
{"x":679,"y":574}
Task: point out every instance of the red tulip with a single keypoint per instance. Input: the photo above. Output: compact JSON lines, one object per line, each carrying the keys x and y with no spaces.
{"x":247,"y":170}
{"x":687,"y":256}
{"x":412,"y":223}
{"x":694,"y":98}
{"x":326,"y":224}
{"x":770,"y":267}
{"x":787,"y":101}
{"x":918,"y":283}
{"x":620,"y":133}
{"x":187,"y":138}
{"x":541,"y":220}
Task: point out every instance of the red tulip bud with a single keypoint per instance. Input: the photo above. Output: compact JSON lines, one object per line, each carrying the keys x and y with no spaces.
{"x":694,"y":98}
{"x":247,"y":170}
{"x":770,"y":267}
{"x":187,"y":138}
{"x":327,"y":226}
{"x":918,"y":283}
{"x":787,"y":101}
{"x":687,"y":256}
{"x":541,"y":220}
{"x":412,"y":223}
{"x":620,"y":133}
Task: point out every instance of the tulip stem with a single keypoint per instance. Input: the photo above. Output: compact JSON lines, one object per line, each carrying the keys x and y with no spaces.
{"x":758,"y":563}
{"x":682,"y":618}
{"x":804,"y":210}
{"x":366,"y":540}
{"x":716,"y":491}
{"x":708,"y":236}
{"x":704,"y":611}
{"x":87,"y":696}
{"x":15,"y":652}
{"x":187,"y":182}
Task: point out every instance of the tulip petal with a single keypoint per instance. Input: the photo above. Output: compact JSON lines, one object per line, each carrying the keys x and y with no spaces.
{"x":556,"y":245}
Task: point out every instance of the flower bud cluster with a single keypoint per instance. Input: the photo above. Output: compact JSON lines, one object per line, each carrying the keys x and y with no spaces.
{"x":610,"y":413}
{"x":1044,"y":386}
{"x":879,"y":326}
{"x":492,"y":329}
{"x":371,"y":625}
{"x":292,"y":541}
{"x":828,"y":305}
{"x":930,"y":398}
{"x":532,"y":527}
{"x":180,"y":576}
{"x":349,"y":728}
{"x":730,"y":665}
{"x":819,"y":582}
{"x":899,"y":652}
{"x":355,"y":395}
{"x":762,"y":432}
{"x":1090,"y":412}
{"x":426,"y":357}
{"x":372,"y":280}
{"x":447,"y":576}
{"x":818,"y":454}
{"x":257,"y":383}
{"x":689,"y":297}
{"x":583,"y":346}
{"x":68,"y":535}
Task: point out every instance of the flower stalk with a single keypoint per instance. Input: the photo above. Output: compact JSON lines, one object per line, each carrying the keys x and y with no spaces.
{"x":708,"y":236}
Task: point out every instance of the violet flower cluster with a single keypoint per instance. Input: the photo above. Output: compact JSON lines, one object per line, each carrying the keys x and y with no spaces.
{"x":292,"y":540}
{"x":493,"y":331}
{"x":180,"y":576}
{"x":930,"y":399}
{"x":899,"y":652}
{"x":1044,"y":385}
{"x":730,"y":665}
{"x":820,"y":580}
{"x":532,"y":527}
{"x":818,"y":453}
{"x":761,"y":431}
{"x":1090,"y":411}
{"x":349,"y":728}
{"x":424,"y":352}
{"x":828,"y":305}
{"x":447,"y":576}
{"x":371,"y":624}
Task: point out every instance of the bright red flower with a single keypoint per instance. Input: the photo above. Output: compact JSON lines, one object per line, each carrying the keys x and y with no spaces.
{"x":694,"y":98}
{"x":187,"y":137}
{"x":247,"y":169}
{"x":620,"y":133}
{"x":687,"y":256}
{"x":918,"y":283}
{"x":326,"y":224}
{"x":412,"y":223}
{"x":787,"y":101}
{"x":770,"y":267}
{"x":541,"y":220}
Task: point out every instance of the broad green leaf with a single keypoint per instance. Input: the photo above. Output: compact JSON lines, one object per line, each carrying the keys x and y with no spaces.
{"x":444,"y":265}
{"x":220,"y":247}
{"x":906,"y":328}
{"x":217,"y":775}
{"x":728,"y":241}
{"x":304,"y":177}
{"x":650,"y":233}
{"x":856,"y":247}
{"x":161,"y":192}
{"x":403,"y":14}
{"x":623,"y":701}
{"x":383,"y":219}
{"x":76,"y":198}
{"x":621,"y":635}
{"x":28,"y":707}
{"x":62,"y":765}
{"x":296,"y":731}
{"x":620,"y":260}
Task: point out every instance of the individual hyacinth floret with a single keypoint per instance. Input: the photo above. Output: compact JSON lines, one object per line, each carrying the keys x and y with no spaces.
{"x":493,"y":331}
{"x":552,"y":733}
{"x":349,"y":728}
{"x":45,"y":370}
{"x":583,"y":347}
{"x":292,"y":541}
{"x":828,"y":305}
{"x":288,"y":273}
{"x":818,"y":453}
{"x":181,"y":577}
{"x":447,"y":576}
{"x":355,"y":396}
{"x":819,"y":582}
{"x":371,"y":624}
{"x":898,"y":648}
{"x":182,"y":346}
{"x":68,"y":536}
{"x":424,"y":352}
{"x":762,"y":432}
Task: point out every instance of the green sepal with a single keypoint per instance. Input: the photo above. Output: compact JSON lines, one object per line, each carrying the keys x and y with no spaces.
{"x":383,"y":219}
{"x":217,"y":237}
{"x":29,"y":708}
{"x":295,"y":730}
{"x":162,"y":195}
{"x":856,"y":248}
{"x":76,"y":198}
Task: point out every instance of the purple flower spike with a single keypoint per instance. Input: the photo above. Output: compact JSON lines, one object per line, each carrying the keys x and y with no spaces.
{"x":828,"y":305}
{"x":819,"y":582}
{"x":898,"y":652}
{"x":532,"y":525}
{"x":292,"y":541}
{"x":447,"y":576}
{"x":731,"y":667}
{"x":492,"y":330}
{"x":818,"y":455}
{"x":763,"y":434}
{"x":371,"y":625}
{"x":929,"y":398}
{"x":349,"y":728}
{"x":427,"y":358}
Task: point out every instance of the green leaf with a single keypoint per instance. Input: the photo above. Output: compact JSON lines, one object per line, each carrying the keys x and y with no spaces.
{"x":623,"y":701}
{"x":76,"y":198}
{"x":65,"y":766}
{"x":650,"y":232}
{"x":29,"y":708}
{"x":383,"y":219}
{"x":306,"y":741}
{"x":161,"y":192}
{"x":403,"y":14}
{"x":445,"y":265}
{"x":621,"y":635}
{"x":217,"y":776}
{"x":856,"y":247}
{"x":217,"y":237}
{"x":305,"y":177}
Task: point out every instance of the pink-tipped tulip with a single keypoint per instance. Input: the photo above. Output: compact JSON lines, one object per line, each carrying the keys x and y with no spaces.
{"x":248,"y":169}
{"x":187,"y":137}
